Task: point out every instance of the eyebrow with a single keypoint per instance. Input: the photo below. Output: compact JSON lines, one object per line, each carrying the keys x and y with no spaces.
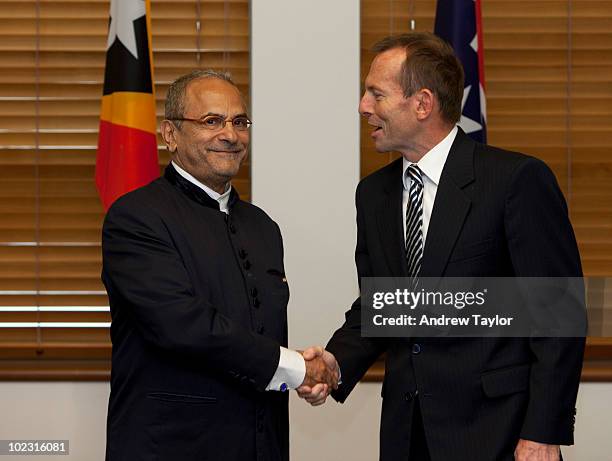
{"x":243,"y":114}
{"x":374,"y":88}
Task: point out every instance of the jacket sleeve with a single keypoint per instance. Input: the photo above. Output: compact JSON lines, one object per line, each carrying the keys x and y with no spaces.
{"x":541,"y":243}
{"x":144,"y":273}
{"x":354,"y":353}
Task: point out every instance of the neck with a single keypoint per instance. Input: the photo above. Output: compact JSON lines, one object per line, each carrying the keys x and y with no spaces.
{"x":219,"y":185}
{"x":428,"y":141}
{"x":219,"y":188}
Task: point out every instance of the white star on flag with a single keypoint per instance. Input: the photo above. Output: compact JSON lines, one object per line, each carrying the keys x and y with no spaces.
{"x":467,"y":124}
{"x":474,"y":43}
{"x":123,"y":14}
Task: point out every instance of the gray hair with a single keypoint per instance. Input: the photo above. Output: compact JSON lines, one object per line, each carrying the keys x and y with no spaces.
{"x":175,"y":98}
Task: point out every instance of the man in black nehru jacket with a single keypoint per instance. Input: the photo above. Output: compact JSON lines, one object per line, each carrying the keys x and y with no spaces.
{"x":198,"y":299}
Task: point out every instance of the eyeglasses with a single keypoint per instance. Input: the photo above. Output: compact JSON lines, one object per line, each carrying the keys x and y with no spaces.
{"x":216,"y":122}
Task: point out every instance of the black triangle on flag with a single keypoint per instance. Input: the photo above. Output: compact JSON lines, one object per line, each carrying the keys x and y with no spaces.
{"x":125,"y":72}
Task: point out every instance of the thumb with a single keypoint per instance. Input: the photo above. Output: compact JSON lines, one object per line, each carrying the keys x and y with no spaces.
{"x":312,"y":352}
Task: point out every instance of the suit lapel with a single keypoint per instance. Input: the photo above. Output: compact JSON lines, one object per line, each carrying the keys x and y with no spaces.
{"x":451,"y":206}
{"x":390,"y":222}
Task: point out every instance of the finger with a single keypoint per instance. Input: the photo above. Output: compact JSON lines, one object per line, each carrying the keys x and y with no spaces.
{"x":334,"y":382}
{"x":319,"y":389}
{"x":331,"y":379}
{"x":312,"y":352}
{"x":314,"y":397}
{"x":318,"y":398}
{"x":303,"y":391}
{"x":319,"y":402}
{"x":318,"y":392}
{"x":311,"y":393}
{"x":330,"y":360}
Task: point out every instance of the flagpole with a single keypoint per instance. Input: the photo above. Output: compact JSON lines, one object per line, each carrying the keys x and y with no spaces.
{"x":198,"y":32}
{"x":568,"y":105}
{"x":411,"y":15}
{"x":226,"y":35}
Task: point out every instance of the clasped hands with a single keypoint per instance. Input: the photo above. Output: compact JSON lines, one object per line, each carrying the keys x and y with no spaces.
{"x":322,"y":374}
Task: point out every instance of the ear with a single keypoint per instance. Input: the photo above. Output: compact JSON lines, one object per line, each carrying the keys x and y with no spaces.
{"x":168,"y":134}
{"x":425,"y":103}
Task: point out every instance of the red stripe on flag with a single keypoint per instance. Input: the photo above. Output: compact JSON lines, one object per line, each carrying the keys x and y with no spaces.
{"x":478,"y":11}
{"x":127,"y":159}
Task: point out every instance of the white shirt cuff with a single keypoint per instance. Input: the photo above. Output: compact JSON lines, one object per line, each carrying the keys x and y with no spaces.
{"x":290,"y":373}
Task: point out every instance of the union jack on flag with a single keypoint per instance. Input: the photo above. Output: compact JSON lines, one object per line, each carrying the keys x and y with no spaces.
{"x":459,"y":23}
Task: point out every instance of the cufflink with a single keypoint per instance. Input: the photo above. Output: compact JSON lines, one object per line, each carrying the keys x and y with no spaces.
{"x":283,"y":387}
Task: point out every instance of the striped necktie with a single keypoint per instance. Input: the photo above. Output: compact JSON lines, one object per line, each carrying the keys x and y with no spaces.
{"x":414,"y":222}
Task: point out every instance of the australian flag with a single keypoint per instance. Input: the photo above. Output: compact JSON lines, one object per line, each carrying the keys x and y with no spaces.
{"x":459,"y":23}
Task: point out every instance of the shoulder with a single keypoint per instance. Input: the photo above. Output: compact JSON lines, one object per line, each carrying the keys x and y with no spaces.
{"x":254,"y":214}
{"x":381,"y":179}
{"x":145,"y":203}
{"x":508,"y":161}
{"x":509,"y":169}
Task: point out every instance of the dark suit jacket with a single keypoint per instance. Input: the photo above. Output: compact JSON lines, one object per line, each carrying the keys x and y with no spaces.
{"x":198,"y":302}
{"x":496,"y":213}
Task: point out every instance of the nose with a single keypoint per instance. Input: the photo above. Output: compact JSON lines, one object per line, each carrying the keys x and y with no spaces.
{"x":365,"y":105}
{"x":228,"y":133}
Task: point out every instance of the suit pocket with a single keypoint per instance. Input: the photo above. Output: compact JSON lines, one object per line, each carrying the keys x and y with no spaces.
{"x":472,"y":250}
{"x":183,"y":427}
{"x":182,"y":398}
{"x":506,"y":381}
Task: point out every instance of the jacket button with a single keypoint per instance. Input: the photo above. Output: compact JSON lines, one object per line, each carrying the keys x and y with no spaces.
{"x":232,"y":228}
{"x":256,"y":303}
{"x":260,"y":329}
{"x":416,"y":348}
{"x":242,"y":254}
{"x":409,"y":396}
{"x":254,"y":292}
{"x":246,"y":265}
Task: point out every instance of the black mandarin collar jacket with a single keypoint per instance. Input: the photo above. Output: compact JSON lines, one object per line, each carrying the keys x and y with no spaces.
{"x":198,"y":302}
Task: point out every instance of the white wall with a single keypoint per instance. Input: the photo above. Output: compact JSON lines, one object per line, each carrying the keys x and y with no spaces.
{"x":77,"y":412}
{"x":305,"y":150}
{"x":305,"y":167}
{"x":55,"y":411}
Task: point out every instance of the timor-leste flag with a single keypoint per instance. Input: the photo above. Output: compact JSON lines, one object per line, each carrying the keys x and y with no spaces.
{"x":127,"y":142}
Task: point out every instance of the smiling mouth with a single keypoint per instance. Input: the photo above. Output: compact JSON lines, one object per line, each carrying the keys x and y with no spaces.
{"x":224,"y":151}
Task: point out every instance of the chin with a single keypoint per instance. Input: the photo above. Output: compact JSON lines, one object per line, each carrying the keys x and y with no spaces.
{"x":229,"y":172}
{"x":382,"y":149}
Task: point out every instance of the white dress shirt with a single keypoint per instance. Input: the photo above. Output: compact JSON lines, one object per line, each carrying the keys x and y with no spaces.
{"x":431,"y":164}
{"x":291,"y":368}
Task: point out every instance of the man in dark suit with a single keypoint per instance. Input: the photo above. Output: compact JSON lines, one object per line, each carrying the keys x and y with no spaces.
{"x":453,"y":207}
{"x":198,"y":299}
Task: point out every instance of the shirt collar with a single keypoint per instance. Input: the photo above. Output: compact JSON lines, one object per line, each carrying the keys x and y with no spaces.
{"x":223,"y":198}
{"x":432,"y":163}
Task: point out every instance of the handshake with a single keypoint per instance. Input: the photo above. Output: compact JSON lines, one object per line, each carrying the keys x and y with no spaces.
{"x":322,"y":375}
